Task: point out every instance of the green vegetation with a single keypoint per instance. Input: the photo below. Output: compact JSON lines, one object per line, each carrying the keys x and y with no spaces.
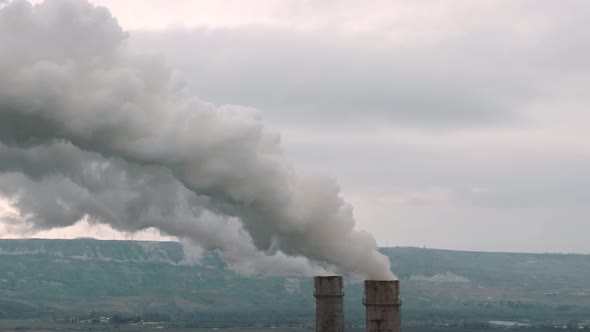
{"x":85,"y":278}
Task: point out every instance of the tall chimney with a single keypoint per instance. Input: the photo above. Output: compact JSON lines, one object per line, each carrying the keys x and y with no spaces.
{"x":328,"y":304}
{"x":382,"y":302}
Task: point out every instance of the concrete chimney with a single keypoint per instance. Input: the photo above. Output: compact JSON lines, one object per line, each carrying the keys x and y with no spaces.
{"x":328,"y":306}
{"x":382,"y":302}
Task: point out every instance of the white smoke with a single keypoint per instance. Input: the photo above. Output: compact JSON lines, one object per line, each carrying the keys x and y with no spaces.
{"x":89,"y":130}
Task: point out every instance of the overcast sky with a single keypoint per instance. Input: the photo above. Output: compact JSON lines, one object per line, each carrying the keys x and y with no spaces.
{"x":450,"y":124}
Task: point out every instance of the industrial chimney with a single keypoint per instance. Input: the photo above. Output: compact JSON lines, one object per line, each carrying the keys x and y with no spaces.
{"x":328,"y":306}
{"x":382,"y":302}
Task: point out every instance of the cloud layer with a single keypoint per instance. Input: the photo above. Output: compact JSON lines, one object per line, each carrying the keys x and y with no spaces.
{"x":483,"y":103}
{"x":89,"y":130}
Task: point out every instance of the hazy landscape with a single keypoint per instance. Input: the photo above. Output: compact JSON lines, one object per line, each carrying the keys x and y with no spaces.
{"x":250,"y":146}
{"x":134,"y":282}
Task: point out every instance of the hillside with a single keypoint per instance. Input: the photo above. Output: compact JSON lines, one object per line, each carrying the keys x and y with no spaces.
{"x":49,"y":278}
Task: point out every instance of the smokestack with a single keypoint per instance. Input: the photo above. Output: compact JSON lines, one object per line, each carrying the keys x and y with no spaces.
{"x":328,"y":306}
{"x":383,"y":305}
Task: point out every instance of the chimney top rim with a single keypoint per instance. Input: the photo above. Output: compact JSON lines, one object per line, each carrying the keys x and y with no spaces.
{"x":381,"y":280}
{"x":330,"y":276}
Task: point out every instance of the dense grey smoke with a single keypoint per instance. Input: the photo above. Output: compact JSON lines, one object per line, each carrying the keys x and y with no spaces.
{"x":88,"y":130}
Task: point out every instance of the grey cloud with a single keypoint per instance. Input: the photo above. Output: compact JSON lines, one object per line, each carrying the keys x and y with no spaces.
{"x":482,"y":67}
{"x":68,"y":77}
{"x":297,"y":75}
{"x":529,"y":176}
{"x":485,"y":66}
{"x":477,"y":67}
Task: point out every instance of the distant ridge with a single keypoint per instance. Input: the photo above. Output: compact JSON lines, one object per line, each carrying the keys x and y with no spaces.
{"x":44,"y":278}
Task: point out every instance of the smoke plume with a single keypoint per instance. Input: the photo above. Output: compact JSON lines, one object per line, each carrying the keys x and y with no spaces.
{"x":89,"y":130}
